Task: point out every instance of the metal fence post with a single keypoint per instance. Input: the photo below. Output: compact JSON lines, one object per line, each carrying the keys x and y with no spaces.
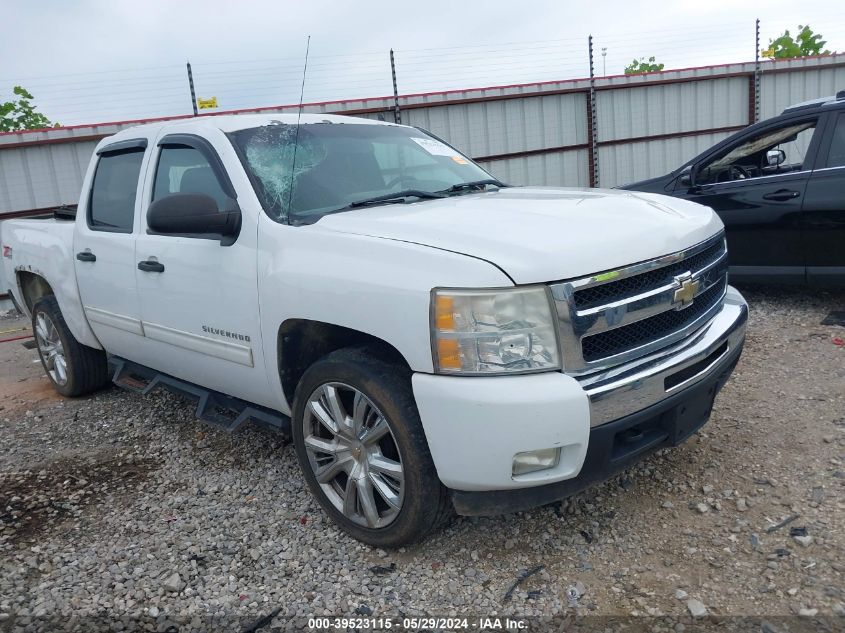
{"x":397,"y":116}
{"x":592,"y":120}
{"x":193,"y":93}
{"x":757,"y":73}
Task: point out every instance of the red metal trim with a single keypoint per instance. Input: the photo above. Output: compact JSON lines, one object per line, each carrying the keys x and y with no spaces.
{"x":608,"y":143}
{"x":27,"y":213}
{"x":517,"y":95}
{"x":712,"y":66}
{"x":53,"y":141}
{"x":532,"y":152}
{"x":15,"y":338}
{"x":670,"y":82}
{"x":661,"y":137}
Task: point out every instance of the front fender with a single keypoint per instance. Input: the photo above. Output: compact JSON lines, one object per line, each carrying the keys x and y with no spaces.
{"x":372,"y":285}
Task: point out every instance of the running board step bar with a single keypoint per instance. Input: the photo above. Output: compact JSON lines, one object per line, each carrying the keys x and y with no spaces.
{"x":214,"y":408}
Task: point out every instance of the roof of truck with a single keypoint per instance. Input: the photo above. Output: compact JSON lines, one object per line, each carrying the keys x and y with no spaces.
{"x":234,"y":122}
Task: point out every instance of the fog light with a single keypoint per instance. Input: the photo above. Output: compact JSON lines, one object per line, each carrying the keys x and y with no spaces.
{"x":532,"y":461}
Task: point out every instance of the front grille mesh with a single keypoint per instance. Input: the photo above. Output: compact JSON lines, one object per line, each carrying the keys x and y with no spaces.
{"x":637,"y":284}
{"x":627,"y":337}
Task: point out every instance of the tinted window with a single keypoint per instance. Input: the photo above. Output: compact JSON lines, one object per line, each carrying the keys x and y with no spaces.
{"x":112,"y":206}
{"x":836,"y":155}
{"x":185,"y":170}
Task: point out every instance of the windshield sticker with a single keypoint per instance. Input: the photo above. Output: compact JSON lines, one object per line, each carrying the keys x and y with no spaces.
{"x":435,"y":148}
{"x":460,"y":160}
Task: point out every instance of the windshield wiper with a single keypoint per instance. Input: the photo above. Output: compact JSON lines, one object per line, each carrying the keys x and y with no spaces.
{"x":398,"y":196}
{"x":463,"y":186}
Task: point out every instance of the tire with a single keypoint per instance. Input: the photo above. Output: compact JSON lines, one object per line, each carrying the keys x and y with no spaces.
{"x":369,"y":391}
{"x":73,"y":368}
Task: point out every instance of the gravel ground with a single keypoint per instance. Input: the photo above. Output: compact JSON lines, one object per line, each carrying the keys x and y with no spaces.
{"x":125,"y":505}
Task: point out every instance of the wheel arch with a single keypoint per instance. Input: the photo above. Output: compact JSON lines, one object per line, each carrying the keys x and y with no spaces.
{"x":32,"y":288}
{"x":302,"y":342}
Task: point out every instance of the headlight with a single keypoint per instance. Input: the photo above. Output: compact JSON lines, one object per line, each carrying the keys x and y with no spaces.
{"x":493,"y":331}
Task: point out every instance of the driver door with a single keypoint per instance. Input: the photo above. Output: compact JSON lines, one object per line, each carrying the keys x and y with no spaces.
{"x":761,"y":204}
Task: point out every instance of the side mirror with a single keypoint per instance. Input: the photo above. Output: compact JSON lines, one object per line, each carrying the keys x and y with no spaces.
{"x":686,"y":177}
{"x":192,"y":214}
{"x":775,"y":157}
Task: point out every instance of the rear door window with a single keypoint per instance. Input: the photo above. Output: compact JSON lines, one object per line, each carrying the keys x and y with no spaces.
{"x":836,"y":153}
{"x":112,"y":204}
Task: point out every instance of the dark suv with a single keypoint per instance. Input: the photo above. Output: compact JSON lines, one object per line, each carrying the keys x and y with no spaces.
{"x":779,"y":187}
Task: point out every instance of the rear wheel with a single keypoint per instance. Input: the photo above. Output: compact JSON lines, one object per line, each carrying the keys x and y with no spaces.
{"x":361,"y":446}
{"x":73,"y":368}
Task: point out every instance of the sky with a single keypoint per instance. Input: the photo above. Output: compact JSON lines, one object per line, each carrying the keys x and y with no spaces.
{"x":93,"y":61}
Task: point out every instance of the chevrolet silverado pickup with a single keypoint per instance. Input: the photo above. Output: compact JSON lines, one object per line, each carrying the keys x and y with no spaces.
{"x":433,"y":340}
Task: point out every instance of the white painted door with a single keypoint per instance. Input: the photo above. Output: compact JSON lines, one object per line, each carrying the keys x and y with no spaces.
{"x":199,"y":304}
{"x":104,"y":248}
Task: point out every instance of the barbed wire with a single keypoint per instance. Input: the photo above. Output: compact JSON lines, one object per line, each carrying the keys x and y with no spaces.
{"x":248,"y":83}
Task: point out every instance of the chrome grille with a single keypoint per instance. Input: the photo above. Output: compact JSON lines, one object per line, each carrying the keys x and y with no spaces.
{"x":617,"y":316}
{"x":630,"y":286}
{"x":653,"y":328}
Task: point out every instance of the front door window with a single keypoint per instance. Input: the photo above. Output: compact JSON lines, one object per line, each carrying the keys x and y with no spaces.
{"x":774,"y":151}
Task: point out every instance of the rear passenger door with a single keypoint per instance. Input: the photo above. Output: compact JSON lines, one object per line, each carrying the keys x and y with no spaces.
{"x":104,"y":247}
{"x":824,"y":208}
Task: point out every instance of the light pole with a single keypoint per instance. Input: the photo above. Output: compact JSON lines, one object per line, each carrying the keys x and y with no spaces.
{"x":604,"y":61}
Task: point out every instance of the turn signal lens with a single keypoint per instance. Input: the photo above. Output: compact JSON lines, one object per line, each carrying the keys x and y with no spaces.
{"x":449,"y":353}
{"x":444,"y":313}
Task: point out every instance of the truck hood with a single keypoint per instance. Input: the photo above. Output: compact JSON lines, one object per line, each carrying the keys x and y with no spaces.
{"x":539,"y":234}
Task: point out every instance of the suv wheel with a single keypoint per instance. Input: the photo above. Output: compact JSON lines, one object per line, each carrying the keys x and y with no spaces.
{"x":361,"y":446}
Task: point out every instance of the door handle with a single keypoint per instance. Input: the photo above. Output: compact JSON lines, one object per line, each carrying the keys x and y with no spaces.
{"x":86,"y":256}
{"x":781,"y":195}
{"x":150,"y":266}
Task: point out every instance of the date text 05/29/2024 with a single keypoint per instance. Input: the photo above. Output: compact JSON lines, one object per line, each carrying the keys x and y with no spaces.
{"x":416,"y":623}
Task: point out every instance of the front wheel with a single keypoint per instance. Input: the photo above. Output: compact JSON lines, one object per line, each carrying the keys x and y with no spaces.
{"x":363,"y":452}
{"x":73,"y":368}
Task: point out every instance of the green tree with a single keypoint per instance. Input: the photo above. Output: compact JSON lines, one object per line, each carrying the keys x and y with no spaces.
{"x":643,"y":65}
{"x":20,"y":114}
{"x":804,"y":44}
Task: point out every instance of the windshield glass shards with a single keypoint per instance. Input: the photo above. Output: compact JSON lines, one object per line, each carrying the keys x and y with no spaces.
{"x":333,"y":167}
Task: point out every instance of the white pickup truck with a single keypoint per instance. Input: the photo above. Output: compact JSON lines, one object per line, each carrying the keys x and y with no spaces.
{"x":433,"y":340}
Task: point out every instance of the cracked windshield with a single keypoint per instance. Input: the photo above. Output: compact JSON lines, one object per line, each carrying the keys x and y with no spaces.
{"x":331,"y":167}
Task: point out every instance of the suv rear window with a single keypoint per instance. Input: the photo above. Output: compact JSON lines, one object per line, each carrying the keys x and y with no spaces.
{"x":112,"y":205}
{"x":836,"y":154}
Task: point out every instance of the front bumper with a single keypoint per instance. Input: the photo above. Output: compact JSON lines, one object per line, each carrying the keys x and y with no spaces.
{"x":602,"y":423}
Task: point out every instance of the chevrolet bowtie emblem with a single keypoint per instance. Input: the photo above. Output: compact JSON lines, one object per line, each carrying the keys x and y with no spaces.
{"x":685,"y":289}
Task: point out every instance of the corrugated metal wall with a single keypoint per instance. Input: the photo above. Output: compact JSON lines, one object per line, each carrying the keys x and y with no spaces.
{"x":814,"y":80}
{"x":630,"y":162}
{"x":535,"y":134}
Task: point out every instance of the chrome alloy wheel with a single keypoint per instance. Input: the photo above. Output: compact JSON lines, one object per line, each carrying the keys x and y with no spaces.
{"x":353,"y":455}
{"x":51,"y":349}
